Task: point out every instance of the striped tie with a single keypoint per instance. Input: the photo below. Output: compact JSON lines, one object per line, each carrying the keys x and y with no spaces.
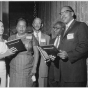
{"x":58,"y":41}
{"x":37,"y":36}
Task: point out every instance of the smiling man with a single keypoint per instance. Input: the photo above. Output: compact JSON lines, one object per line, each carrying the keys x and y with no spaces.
{"x":43,"y":39}
{"x":73,"y":50}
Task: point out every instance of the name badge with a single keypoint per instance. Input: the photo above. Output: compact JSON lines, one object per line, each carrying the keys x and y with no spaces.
{"x":43,"y":40}
{"x":28,"y":37}
{"x":70,"y":36}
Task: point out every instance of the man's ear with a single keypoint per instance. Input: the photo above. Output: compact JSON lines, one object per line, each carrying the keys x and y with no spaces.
{"x":16,"y":27}
{"x":72,"y":13}
{"x":63,"y":29}
{"x":41,"y":25}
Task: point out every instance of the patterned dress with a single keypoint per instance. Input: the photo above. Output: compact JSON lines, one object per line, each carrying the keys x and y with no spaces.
{"x":22,"y":64}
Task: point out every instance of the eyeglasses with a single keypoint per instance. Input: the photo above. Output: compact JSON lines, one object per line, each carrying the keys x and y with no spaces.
{"x":64,"y":12}
{"x":56,"y":28}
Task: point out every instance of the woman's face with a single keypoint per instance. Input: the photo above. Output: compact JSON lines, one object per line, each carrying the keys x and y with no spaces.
{"x":21,"y":27}
{"x":1,"y":28}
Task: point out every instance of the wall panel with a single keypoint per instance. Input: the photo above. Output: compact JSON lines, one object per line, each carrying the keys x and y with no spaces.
{"x":5,"y":18}
{"x":4,"y":10}
{"x":0,"y":10}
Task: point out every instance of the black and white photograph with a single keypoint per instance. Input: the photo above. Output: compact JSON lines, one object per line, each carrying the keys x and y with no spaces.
{"x":43,"y":43}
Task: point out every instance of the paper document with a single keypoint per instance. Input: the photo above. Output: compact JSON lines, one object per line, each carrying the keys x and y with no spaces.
{"x":50,"y":49}
{"x":17,"y":43}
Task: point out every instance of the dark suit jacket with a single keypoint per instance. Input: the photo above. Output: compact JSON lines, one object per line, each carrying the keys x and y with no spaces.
{"x":75,"y":43}
{"x":56,"y":61}
{"x":52,"y":41}
{"x":54,"y":72}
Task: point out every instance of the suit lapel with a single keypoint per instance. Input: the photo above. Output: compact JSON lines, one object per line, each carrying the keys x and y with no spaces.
{"x":42,"y":35}
{"x":70,"y":28}
{"x":43,"y":40}
{"x":52,"y":41}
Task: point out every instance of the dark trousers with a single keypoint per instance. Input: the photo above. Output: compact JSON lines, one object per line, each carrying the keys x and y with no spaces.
{"x":53,"y":75}
{"x":71,"y":84}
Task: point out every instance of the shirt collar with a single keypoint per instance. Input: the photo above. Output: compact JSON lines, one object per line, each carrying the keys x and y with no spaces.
{"x":35,"y":33}
{"x":69,"y":23}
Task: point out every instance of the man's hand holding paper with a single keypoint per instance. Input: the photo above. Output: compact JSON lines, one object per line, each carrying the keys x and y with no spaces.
{"x":62,"y":54}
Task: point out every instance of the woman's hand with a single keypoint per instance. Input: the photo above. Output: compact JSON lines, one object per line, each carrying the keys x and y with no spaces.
{"x":13,"y":50}
{"x":33,"y":71}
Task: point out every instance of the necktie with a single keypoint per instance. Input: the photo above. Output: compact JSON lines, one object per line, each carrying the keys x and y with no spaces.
{"x":58,"y":41}
{"x":37,"y":36}
{"x":66,"y":29}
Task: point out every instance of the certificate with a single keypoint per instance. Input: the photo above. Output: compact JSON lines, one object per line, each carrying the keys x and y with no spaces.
{"x":17,"y":43}
{"x":50,"y":49}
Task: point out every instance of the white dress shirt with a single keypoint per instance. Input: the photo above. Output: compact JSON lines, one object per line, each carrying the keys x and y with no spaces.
{"x":57,"y":41}
{"x":67,"y":25}
{"x":38,"y":34}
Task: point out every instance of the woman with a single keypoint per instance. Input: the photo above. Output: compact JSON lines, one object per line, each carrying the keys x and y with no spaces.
{"x":4,"y":51}
{"x":23,"y":65}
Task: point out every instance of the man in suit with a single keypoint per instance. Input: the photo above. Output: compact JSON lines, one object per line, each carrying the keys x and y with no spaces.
{"x":43,"y":39}
{"x":54,"y":67}
{"x":73,"y":50}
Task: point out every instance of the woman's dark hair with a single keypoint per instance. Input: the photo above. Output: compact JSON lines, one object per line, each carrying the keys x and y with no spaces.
{"x":21,"y":19}
{"x":37,"y":18}
{"x":71,"y":9}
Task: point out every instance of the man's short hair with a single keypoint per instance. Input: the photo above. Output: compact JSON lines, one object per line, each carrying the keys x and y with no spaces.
{"x":37,"y":18}
{"x":71,"y":9}
{"x":21,"y":19}
{"x":59,"y":23}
